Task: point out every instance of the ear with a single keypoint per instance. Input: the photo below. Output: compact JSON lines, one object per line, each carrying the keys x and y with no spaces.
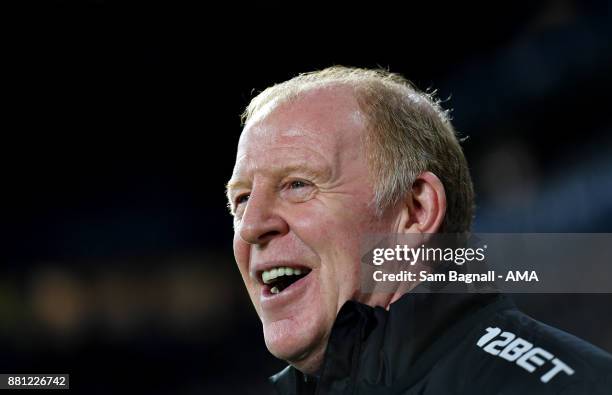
{"x":425,"y":206}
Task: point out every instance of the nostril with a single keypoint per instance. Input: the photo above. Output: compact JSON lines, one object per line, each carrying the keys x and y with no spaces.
{"x":268,"y":235}
{"x":261,"y":226}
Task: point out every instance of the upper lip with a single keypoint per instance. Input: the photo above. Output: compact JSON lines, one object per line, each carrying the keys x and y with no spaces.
{"x":258,"y":268}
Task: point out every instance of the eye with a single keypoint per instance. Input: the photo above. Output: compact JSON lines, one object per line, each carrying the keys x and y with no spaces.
{"x":297,"y":184}
{"x":242,"y":198}
{"x":297,"y":190}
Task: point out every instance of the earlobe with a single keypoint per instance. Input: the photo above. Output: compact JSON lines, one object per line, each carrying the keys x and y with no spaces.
{"x":425,"y":206}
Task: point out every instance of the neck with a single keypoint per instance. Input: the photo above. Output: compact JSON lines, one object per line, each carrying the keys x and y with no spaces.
{"x":311,"y":362}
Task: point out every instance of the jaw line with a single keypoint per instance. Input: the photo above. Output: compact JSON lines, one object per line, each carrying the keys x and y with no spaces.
{"x":311,"y":361}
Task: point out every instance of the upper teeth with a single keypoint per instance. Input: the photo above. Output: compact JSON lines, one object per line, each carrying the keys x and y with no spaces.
{"x":269,"y":275}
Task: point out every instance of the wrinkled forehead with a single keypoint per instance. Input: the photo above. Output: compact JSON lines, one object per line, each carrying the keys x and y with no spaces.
{"x":329,"y":119}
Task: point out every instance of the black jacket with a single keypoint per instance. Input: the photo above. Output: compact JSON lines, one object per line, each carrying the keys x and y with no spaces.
{"x":450,"y":344}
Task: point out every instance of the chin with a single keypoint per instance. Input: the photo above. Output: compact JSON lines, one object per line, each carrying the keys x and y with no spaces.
{"x":298,"y":342}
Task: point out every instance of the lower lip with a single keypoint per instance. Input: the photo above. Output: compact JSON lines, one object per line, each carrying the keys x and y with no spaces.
{"x":290,"y":294}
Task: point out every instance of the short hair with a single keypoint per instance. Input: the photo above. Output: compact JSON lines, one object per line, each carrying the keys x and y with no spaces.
{"x":408,"y":133}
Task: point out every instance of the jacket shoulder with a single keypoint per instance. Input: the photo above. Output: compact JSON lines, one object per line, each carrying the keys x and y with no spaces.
{"x":510,"y":352}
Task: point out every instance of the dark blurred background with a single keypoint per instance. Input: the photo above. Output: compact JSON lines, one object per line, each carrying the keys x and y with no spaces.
{"x":120,"y":127}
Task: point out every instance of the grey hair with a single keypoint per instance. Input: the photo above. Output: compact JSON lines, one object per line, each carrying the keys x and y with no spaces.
{"x":409,"y":133}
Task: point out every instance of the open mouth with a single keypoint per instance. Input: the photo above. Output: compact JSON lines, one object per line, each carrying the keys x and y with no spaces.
{"x":280,"y":278}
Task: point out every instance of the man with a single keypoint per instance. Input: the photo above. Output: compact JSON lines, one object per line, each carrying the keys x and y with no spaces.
{"x":331,"y":156}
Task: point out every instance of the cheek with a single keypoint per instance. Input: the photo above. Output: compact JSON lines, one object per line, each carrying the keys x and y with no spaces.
{"x":334,"y":230}
{"x":337,"y":241}
{"x":241,"y":255}
{"x":346,"y":236}
{"x":242,"y":252}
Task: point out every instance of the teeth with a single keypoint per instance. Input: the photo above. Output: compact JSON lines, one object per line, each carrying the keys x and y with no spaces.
{"x":274,"y":290}
{"x":269,"y":275}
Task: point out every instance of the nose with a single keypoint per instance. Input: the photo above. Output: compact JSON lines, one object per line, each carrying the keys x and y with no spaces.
{"x":261,"y":222}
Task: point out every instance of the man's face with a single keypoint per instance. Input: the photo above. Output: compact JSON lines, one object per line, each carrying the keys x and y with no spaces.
{"x":302,"y":200}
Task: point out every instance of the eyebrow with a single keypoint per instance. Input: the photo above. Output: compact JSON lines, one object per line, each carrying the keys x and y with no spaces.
{"x":235,"y":185}
{"x":305,"y":169}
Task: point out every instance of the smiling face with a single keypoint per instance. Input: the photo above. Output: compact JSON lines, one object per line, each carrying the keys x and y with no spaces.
{"x":301,"y":196}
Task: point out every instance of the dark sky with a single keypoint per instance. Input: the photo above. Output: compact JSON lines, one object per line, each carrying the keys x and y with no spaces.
{"x":122,"y":121}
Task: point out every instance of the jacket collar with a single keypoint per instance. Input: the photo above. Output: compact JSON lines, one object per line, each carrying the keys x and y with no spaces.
{"x":364,"y":341}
